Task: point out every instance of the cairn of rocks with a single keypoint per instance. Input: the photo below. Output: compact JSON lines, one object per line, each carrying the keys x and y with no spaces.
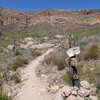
{"x":85,"y":92}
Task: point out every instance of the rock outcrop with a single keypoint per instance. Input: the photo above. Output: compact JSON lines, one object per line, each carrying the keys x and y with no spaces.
{"x":9,"y":17}
{"x":85,"y":92}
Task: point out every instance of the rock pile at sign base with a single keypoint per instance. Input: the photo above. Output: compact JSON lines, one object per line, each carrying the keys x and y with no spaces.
{"x":85,"y":92}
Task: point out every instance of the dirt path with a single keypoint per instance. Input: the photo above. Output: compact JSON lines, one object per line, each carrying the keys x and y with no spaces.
{"x":33,"y":88}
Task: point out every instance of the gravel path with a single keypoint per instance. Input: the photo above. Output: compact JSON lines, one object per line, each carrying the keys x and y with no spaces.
{"x":33,"y":88}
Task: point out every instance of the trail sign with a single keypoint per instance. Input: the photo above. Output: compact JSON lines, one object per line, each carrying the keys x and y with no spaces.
{"x":73,"y":51}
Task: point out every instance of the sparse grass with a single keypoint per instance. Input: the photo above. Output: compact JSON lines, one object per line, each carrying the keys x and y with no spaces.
{"x":98,"y":96}
{"x":57,"y":58}
{"x":67,"y":78}
{"x":1,"y":49}
{"x":16,"y":77}
{"x":3,"y":96}
{"x":92,"y":52}
{"x":95,"y":30}
{"x":1,"y":73}
{"x":18,"y":63}
{"x":37,"y":52}
{"x":90,"y":71}
{"x":78,"y":31}
{"x":39,"y":34}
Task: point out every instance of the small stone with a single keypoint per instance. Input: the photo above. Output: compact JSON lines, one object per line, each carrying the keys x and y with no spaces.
{"x":75,"y":88}
{"x":80,"y":98}
{"x":85,"y":84}
{"x":59,"y":96}
{"x":93,"y":98}
{"x":53,"y":89}
{"x":72,"y":97}
{"x":74,"y":92}
{"x":67,"y":90}
{"x":93,"y":91}
{"x":10,"y":47}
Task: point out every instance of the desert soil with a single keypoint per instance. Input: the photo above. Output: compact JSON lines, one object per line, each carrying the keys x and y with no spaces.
{"x":33,"y":88}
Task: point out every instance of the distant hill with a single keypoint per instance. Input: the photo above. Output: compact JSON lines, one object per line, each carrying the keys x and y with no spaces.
{"x":14,"y":17}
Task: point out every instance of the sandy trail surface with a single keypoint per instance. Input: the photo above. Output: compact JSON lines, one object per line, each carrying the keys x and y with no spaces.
{"x":33,"y":88}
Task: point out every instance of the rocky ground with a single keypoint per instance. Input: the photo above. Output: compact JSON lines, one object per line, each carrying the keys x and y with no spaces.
{"x":44,"y":81}
{"x":32,"y":86}
{"x":85,"y":92}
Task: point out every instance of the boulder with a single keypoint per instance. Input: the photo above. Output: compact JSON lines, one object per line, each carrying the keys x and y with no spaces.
{"x":83,"y":92}
{"x":74,"y":92}
{"x":10,"y":47}
{"x":85,"y":84}
{"x":66,"y":90}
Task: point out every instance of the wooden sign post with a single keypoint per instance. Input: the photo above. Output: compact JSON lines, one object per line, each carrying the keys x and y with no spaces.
{"x":72,"y":53}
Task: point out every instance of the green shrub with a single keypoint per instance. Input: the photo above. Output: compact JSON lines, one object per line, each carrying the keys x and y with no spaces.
{"x":16,"y":78}
{"x":17,"y":53}
{"x":37,"y":52}
{"x":1,"y":33}
{"x":57,"y":58}
{"x":67,"y":78}
{"x":98,"y":96}
{"x":3,"y":96}
{"x":1,"y":49}
{"x":48,"y":59}
{"x":18,"y":63}
{"x":92,"y":52}
{"x":97,"y":79}
{"x":90,"y":71}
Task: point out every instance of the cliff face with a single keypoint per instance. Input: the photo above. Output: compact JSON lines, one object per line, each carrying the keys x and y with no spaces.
{"x":14,"y":17}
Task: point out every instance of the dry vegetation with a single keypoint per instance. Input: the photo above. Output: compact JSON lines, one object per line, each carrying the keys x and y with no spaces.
{"x":18,"y":63}
{"x":88,"y":67}
{"x":89,"y":39}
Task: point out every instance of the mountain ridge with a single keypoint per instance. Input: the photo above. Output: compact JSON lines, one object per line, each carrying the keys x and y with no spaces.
{"x":15,"y":17}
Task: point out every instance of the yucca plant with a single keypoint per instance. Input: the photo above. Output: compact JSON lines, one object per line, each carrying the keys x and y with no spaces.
{"x":4,"y":96}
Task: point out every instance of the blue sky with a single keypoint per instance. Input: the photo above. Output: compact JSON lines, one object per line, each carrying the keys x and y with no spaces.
{"x":36,"y":5}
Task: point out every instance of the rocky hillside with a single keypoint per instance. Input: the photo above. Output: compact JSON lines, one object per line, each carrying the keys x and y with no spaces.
{"x":9,"y":17}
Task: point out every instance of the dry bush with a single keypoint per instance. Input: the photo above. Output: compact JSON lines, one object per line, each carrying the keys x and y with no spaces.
{"x":67,"y":78}
{"x":92,"y":52}
{"x":1,"y":49}
{"x":16,"y":77}
{"x":4,"y":96}
{"x":90,"y":71}
{"x":37,"y":52}
{"x":18,"y":63}
{"x":57,"y":58}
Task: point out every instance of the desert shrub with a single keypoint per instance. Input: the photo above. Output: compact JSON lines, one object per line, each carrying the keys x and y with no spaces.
{"x":98,"y":96}
{"x":90,"y":71}
{"x":3,"y":96}
{"x":92,"y":52}
{"x":17,"y":53}
{"x":1,"y":33}
{"x":1,"y":74}
{"x":1,"y":49}
{"x":37,"y":52}
{"x":18,"y":63}
{"x":97,"y":78}
{"x":48,"y":59}
{"x":57,"y":58}
{"x":67,"y":78}
{"x":16,"y":78}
